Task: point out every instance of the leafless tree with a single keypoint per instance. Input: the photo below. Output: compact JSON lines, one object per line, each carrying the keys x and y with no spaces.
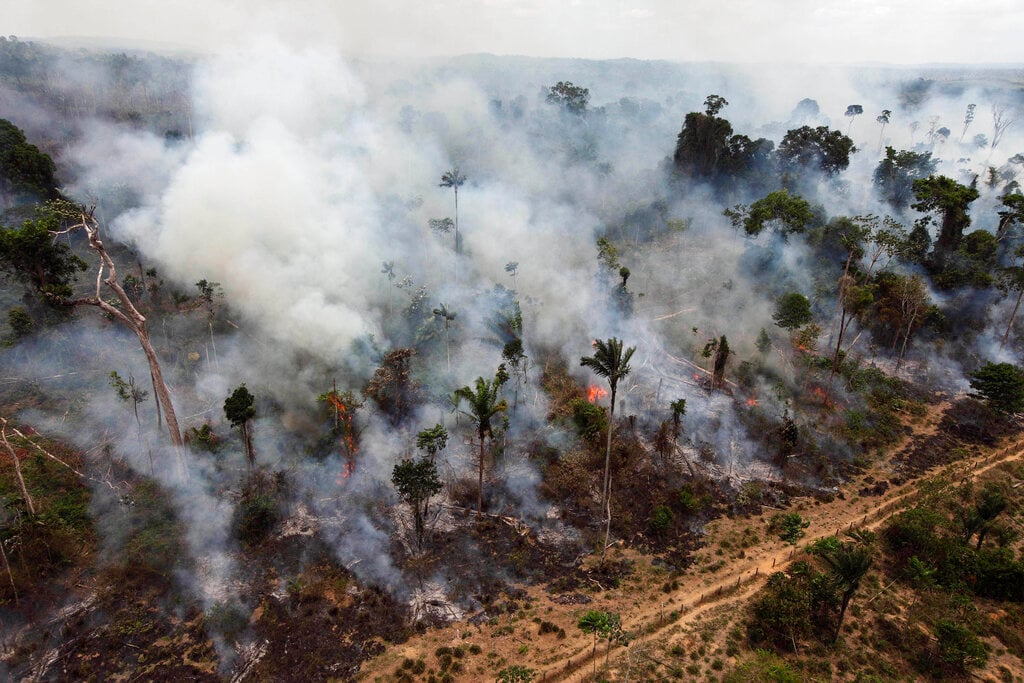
{"x":17,"y":468}
{"x":1000,"y":122}
{"x":82,"y":218}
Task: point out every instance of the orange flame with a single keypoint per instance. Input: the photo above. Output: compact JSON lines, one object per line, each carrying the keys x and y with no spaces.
{"x":348,"y":440}
{"x":595,"y":393}
{"x":751,"y":401}
{"x":822,"y":396}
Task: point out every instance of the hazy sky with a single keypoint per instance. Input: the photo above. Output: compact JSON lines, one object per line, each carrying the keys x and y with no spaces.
{"x":899,"y":31}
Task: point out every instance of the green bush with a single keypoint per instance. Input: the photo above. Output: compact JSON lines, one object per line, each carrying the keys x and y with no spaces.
{"x":590,"y":419}
{"x":998,"y":575}
{"x":516,"y":674}
{"x":661,"y":520}
{"x":959,"y":647}
{"x":764,"y":667}
{"x":789,"y":526}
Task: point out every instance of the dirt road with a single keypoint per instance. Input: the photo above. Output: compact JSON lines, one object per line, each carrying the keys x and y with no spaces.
{"x":697,"y":594}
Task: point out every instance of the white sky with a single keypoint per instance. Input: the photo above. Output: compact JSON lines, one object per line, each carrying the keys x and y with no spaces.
{"x":798,"y":31}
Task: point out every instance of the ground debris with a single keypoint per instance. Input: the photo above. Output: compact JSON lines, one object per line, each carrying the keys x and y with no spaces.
{"x":571,"y":599}
{"x":430,"y":604}
{"x":249,"y":656}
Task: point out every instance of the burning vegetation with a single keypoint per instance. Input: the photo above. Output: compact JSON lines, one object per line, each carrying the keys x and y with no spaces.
{"x":552,"y":393}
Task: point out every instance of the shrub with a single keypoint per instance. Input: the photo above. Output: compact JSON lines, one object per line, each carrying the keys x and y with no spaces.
{"x":959,"y":647}
{"x":590,"y":419}
{"x":789,"y":526}
{"x":254,"y":518}
{"x":661,"y":520}
{"x":516,"y":674}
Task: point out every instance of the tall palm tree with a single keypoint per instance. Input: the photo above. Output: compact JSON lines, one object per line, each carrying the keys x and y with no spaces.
{"x":483,"y":405}
{"x":849,"y":563}
{"x":454,"y":179}
{"x":610,"y":360}
{"x":448,"y":315}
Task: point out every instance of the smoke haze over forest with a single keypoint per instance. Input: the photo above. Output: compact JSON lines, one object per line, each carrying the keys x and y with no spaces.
{"x":306,"y":186}
{"x":306,"y":171}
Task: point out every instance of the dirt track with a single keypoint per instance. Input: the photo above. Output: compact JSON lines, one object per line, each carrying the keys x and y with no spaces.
{"x":698,"y":595}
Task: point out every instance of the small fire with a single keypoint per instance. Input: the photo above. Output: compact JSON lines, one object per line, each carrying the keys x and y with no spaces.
{"x":751,"y":402}
{"x":348,"y":440}
{"x":595,"y":393}
{"x":822,"y":396}
{"x":347,"y":471}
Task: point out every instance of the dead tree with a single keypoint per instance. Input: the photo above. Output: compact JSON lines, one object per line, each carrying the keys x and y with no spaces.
{"x":84,"y":219}
{"x":17,"y":468}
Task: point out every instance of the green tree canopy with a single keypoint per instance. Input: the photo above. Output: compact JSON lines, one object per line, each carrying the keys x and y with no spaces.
{"x":706,"y":147}
{"x":949,"y":199}
{"x":432,"y":440}
{"x":792,"y":310}
{"x":24,"y":170}
{"x":240,"y":406}
{"x":239,"y":409}
{"x":701,"y":144}
{"x":815,"y":148}
{"x":1001,"y":386}
{"x":787,"y":213}
{"x":895,"y":175}
{"x":1012,"y":213}
{"x":714,"y":104}
{"x":416,"y":481}
{"x":793,"y":606}
{"x":31,"y":255}
{"x":853,"y":111}
{"x":572,"y":98}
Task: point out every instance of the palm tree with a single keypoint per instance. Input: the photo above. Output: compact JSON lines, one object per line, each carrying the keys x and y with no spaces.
{"x":483,"y":405}
{"x":454,"y":179}
{"x":453,"y":401}
{"x":611,"y":361}
{"x":849,"y":563}
{"x":446,"y":313}
{"x":389,"y":271}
